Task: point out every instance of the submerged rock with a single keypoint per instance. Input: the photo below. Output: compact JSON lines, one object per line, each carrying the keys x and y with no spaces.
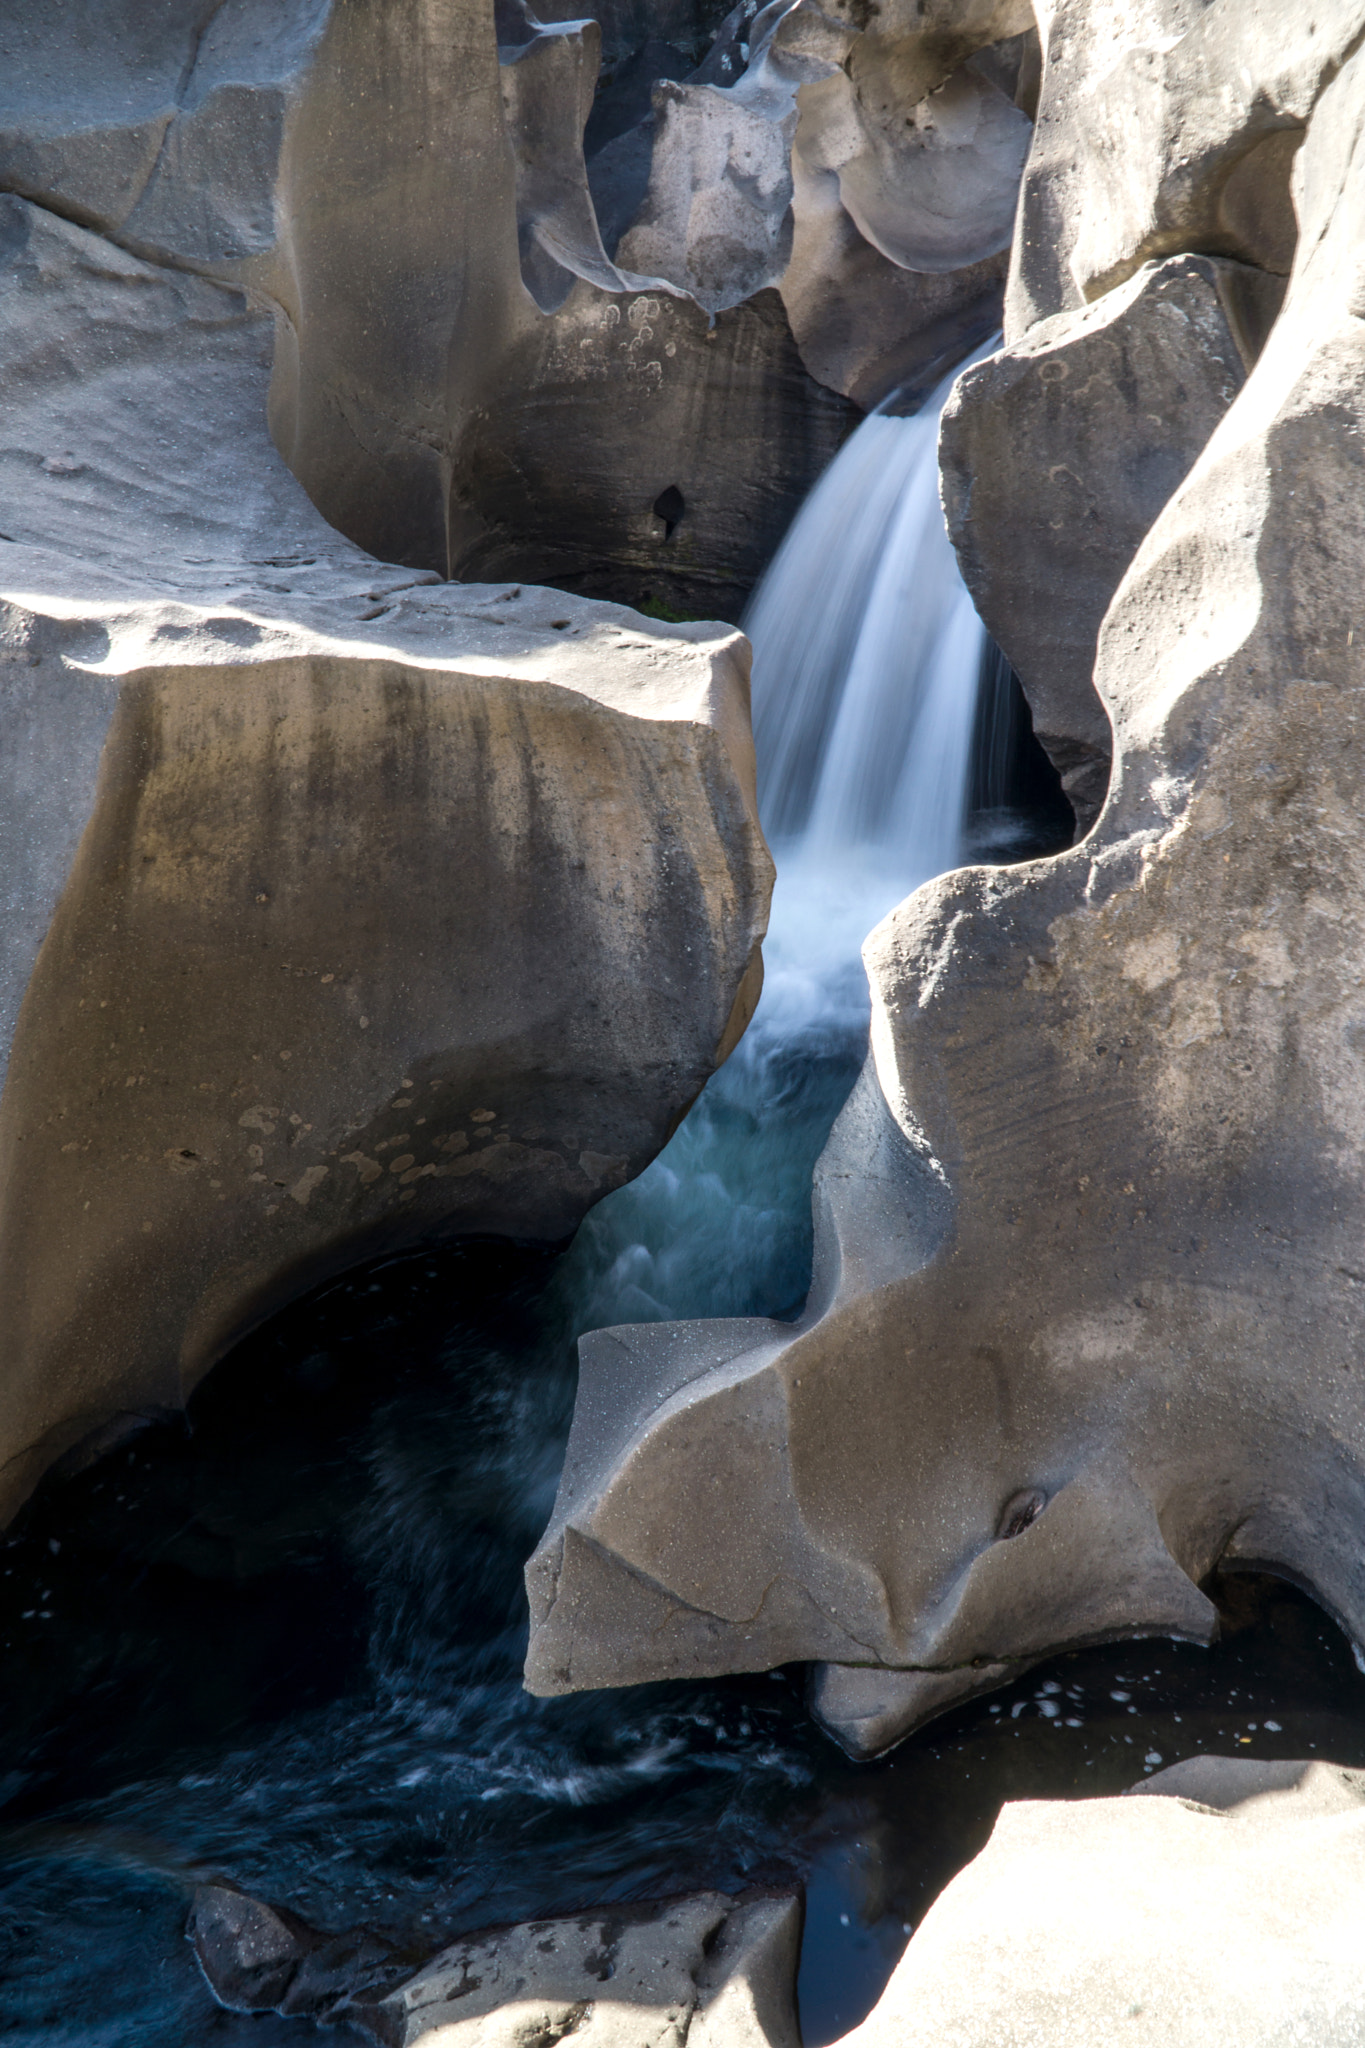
{"x":713,"y":1971}
{"x":1224,"y":1914}
{"x":344,"y":908}
{"x":1087,"y":1314}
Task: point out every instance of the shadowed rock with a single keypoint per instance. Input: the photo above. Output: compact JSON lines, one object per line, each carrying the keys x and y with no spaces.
{"x":1088,"y":1312}
{"x":711,"y":1970}
{"x":343,"y":908}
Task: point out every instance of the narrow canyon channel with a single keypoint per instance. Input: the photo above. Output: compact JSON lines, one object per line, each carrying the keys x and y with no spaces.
{"x":280,"y":1639}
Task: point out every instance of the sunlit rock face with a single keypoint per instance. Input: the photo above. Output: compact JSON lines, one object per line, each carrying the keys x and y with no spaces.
{"x":1165,"y":125}
{"x":343,"y":908}
{"x":1087,"y":1920}
{"x":1057,"y":455}
{"x":1166,"y":130}
{"x":1088,"y":1314}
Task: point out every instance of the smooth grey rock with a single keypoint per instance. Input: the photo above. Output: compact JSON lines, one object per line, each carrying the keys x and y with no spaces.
{"x":863,"y":325}
{"x":931,"y":182}
{"x":342,"y":908}
{"x":1165,"y":125}
{"x":548,"y":81}
{"x":717,"y":215}
{"x":160,"y":122}
{"x":1258,"y":1788}
{"x":349,"y":165}
{"x":406,"y":186}
{"x":1058,"y":454}
{"x":1153,"y":1921}
{"x":1087,"y":1318}
{"x":867,"y":1708}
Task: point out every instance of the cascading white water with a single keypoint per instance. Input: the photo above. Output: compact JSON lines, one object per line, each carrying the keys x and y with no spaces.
{"x":867,"y":665}
{"x":867,"y":655}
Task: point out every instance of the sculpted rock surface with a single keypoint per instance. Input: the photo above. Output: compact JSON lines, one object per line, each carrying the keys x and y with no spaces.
{"x":863,"y":325}
{"x":1153,"y":1920}
{"x":717,"y":215}
{"x":341,"y":907}
{"x":711,"y":1970}
{"x":1087,"y":1317}
{"x":1162,"y":127}
{"x":935,"y":188}
{"x":622,"y":401}
{"x":1058,"y":454}
{"x":1166,"y":125}
{"x":422,"y":195}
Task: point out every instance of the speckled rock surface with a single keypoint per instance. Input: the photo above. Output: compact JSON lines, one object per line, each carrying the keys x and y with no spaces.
{"x":707,"y":1969}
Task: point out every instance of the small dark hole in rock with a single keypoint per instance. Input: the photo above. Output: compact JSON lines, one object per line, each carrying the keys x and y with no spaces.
{"x":1019,"y":1513}
{"x":670,"y":506}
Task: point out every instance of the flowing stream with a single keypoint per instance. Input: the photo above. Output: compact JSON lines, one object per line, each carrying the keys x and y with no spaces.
{"x":282,"y":1639}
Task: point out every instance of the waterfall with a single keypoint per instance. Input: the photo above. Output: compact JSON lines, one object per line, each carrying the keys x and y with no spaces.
{"x":866,"y":652}
{"x":869,"y":663}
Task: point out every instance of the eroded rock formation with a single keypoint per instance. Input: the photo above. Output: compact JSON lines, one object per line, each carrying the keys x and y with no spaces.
{"x":464,"y":230}
{"x":342,"y":906}
{"x":1058,"y":454}
{"x":329,"y":932}
{"x":1218,"y":1910}
{"x":1170,"y":131}
{"x":712,"y":1970}
{"x":1087,"y":1319}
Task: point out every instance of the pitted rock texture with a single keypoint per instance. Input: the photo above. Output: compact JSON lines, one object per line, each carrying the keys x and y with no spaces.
{"x":343,"y":908}
{"x":1057,"y":456}
{"x":1219,"y":1911}
{"x":1088,"y":1316}
{"x":706,"y":1969}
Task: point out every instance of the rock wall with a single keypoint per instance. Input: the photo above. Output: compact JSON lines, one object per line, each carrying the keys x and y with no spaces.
{"x":344,"y":908}
{"x":1165,"y":131}
{"x":1087,"y":1318}
{"x":464,"y":224}
{"x":480,"y":864}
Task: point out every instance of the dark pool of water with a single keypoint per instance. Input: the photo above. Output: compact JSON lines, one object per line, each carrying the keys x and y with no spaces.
{"x":281,"y":1638}
{"x":283,"y":1641}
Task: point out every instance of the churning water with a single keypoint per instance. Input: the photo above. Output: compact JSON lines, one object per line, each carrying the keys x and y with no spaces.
{"x":890,"y":740}
{"x":282,"y":1640}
